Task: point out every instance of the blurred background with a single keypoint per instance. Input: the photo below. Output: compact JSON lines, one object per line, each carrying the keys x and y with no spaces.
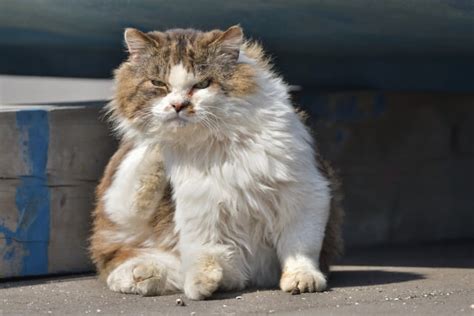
{"x":389,"y":86}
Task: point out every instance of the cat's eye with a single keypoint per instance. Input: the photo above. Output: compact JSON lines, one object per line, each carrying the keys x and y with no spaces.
{"x":158,"y":83}
{"x":203,"y":84}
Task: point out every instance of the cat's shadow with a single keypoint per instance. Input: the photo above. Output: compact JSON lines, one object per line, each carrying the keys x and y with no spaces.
{"x":346,"y":278}
{"x":352,"y":278}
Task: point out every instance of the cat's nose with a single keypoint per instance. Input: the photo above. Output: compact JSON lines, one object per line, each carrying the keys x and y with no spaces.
{"x":178,"y":106}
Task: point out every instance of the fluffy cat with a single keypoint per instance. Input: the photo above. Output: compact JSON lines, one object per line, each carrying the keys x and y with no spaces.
{"x":215,"y":184}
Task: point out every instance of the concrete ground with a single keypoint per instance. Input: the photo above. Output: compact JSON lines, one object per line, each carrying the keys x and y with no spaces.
{"x":423,"y":280}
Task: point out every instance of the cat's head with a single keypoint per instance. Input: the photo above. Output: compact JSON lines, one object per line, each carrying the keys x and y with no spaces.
{"x":183,"y":81}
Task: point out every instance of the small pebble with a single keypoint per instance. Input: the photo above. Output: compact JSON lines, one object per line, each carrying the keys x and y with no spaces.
{"x":98,"y":311}
{"x":193,"y":313}
{"x":472,"y":306}
{"x":238,"y":297}
{"x":180,"y":302}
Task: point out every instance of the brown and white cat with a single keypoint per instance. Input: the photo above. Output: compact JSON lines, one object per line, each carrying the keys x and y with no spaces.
{"x":215,"y":184}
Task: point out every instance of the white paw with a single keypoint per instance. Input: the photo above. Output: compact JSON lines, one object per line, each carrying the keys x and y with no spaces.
{"x":303,"y":280}
{"x":203,"y":279}
{"x":142,"y":277}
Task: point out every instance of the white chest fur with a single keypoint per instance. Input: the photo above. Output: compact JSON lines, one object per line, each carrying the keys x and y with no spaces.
{"x":245,"y":198}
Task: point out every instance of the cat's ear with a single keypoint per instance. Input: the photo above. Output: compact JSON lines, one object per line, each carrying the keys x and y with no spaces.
{"x":137,"y":42}
{"x":231,"y":40}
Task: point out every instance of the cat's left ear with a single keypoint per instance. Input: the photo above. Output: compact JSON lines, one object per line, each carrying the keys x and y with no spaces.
{"x":231,"y":40}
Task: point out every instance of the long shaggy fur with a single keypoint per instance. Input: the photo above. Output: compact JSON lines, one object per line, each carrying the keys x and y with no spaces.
{"x":215,"y":184}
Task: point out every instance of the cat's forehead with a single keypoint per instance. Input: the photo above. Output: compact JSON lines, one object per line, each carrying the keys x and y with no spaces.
{"x":186,"y":48}
{"x":182,"y":46}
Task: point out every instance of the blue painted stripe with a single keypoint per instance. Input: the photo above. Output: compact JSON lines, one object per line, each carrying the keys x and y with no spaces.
{"x":32,"y":194}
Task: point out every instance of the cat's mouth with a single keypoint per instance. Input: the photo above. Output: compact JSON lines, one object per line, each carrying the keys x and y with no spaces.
{"x":177,"y":120}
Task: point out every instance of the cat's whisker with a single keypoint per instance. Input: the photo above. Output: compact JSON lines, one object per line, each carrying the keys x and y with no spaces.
{"x":216,"y":122}
{"x":212,"y":126}
{"x":217,"y":119}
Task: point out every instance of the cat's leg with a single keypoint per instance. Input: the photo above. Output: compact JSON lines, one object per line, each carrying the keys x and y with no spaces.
{"x":299,"y":246}
{"x":148,"y":272}
{"x":211,"y":267}
{"x":203,"y":272}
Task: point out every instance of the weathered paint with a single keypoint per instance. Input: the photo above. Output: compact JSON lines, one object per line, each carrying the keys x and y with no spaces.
{"x":29,"y":239}
{"x":51,"y":159}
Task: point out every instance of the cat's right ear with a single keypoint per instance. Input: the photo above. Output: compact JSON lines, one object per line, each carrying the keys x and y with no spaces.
{"x":231,"y":40}
{"x":137,"y":42}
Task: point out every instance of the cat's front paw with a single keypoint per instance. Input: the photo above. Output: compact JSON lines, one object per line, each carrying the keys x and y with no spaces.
{"x":302,"y":280}
{"x":203,"y":279}
{"x":146,"y":278}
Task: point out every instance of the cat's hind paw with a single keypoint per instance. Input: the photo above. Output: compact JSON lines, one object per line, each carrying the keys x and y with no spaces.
{"x":303,"y":280}
{"x":146,"y":278}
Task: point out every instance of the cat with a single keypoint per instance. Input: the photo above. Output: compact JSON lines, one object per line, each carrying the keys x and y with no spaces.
{"x":216,"y":184}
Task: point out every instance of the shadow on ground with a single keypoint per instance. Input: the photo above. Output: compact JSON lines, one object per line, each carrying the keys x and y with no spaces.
{"x":28,"y":281}
{"x":452,"y":254}
{"x":353,"y":278}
